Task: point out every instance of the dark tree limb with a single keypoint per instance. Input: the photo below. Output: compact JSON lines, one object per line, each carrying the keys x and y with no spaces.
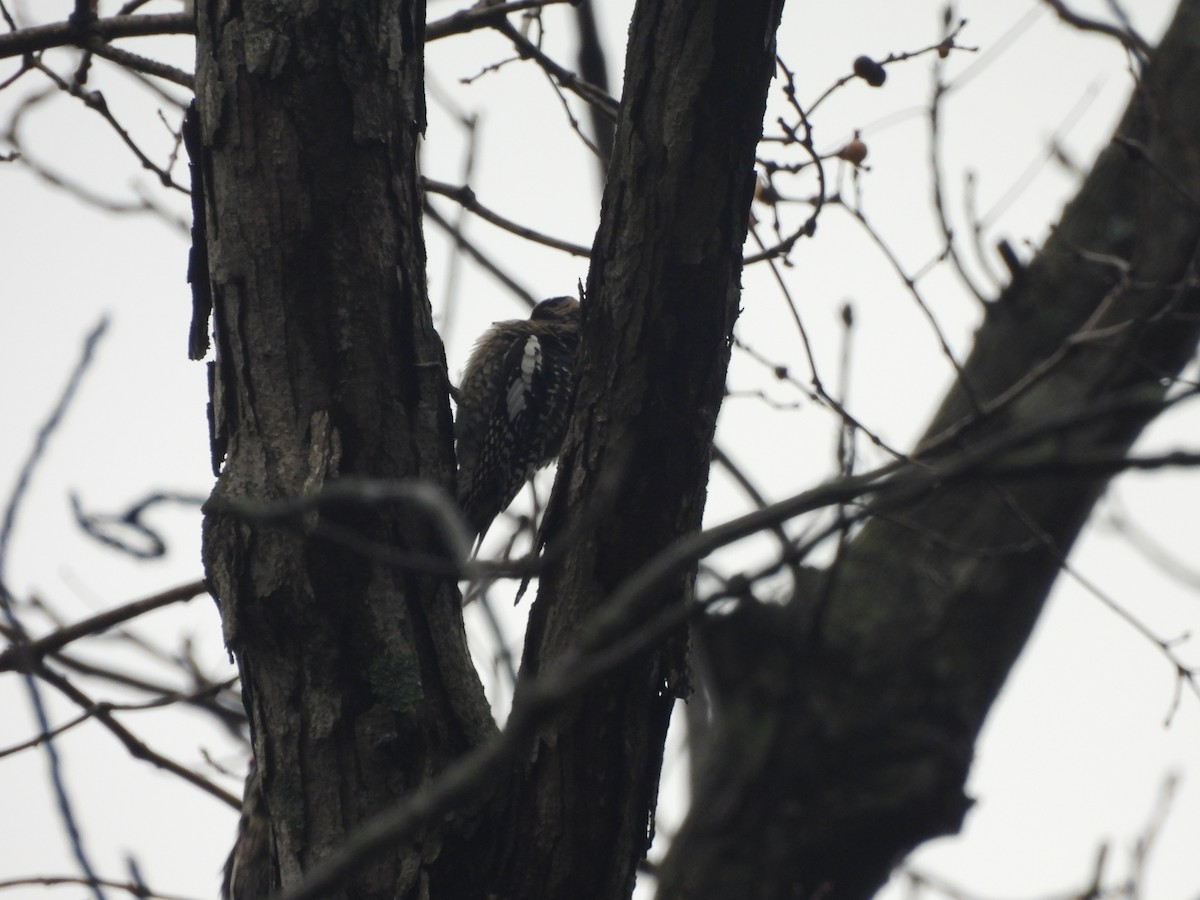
{"x":662,"y":297}
{"x":1126,"y":35}
{"x":23,"y":656}
{"x":851,"y":741}
{"x":78,"y":31}
{"x":593,"y":68}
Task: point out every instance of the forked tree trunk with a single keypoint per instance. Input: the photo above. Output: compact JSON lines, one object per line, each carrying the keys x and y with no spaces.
{"x":356,"y":675}
{"x":846,"y":720}
{"x":663,"y":295}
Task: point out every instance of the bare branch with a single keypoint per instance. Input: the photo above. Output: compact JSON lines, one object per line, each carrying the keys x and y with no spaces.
{"x":568,"y":79}
{"x":935,"y":168}
{"x":230,"y":713}
{"x":169,"y":699}
{"x":486,"y":263}
{"x":138,"y":63}
{"x":24,"y":657}
{"x":593,"y":68}
{"x":25,"y":475}
{"x":134,"y":890}
{"x":1129,"y":38}
{"x":95,"y":100}
{"x":941,"y":48}
{"x":910,"y":283}
{"x":465,"y":197}
{"x":100,"y":525}
{"x":137,"y":748}
{"x":606,"y":640}
{"x":43,"y":437}
{"x":77,"y":34}
{"x":481,"y":16}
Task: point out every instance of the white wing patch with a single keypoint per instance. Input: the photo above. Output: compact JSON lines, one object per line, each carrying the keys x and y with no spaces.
{"x":531,"y":362}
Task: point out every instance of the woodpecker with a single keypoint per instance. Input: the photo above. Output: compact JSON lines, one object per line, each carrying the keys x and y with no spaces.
{"x":513,"y":404}
{"x":248,"y":871}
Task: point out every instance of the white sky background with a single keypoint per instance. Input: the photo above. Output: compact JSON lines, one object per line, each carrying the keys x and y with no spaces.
{"x":1075,"y":752}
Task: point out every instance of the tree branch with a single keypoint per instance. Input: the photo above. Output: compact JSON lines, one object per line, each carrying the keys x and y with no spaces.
{"x":36,"y":38}
{"x":851,"y":743}
{"x":26,"y":656}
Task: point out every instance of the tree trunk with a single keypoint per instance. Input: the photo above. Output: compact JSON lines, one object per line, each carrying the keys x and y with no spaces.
{"x":663,"y":294}
{"x":356,"y":674}
{"x":846,"y":721}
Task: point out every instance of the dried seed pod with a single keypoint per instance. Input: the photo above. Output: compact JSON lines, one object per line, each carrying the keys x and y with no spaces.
{"x":854,"y":152}
{"x":870,"y":71}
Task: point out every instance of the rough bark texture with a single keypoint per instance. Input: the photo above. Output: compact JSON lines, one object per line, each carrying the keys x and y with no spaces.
{"x":356,"y":675}
{"x":662,"y":299}
{"x":846,"y":721}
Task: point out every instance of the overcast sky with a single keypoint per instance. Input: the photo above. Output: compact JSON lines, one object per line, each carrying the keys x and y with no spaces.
{"x":1075,"y":754}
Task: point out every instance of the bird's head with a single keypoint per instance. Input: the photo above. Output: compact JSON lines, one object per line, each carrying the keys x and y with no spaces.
{"x":556,"y":309}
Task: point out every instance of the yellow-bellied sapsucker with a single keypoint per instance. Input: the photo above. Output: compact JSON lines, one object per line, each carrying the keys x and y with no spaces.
{"x":513,"y":405}
{"x":248,"y":870}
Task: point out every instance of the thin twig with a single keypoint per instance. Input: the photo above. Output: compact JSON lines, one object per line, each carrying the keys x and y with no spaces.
{"x":35,"y":38}
{"x":817,"y":385}
{"x":137,"y":748}
{"x":139,"y":63}
{"x":24,"y":477}
{"x":948,"y":43}
{"x":568,"y":79}
{"x":910,"y":283}
{"x":24,"y":656}
{"x":158,"y":703}
{"x":481,"y":15}
{"x":465,"y":197}
{"x":231,"y":715}
{"x":1129,"y":38}
{"x":609,"y":638}
{"x":94,"y":100}
{"x":938,"y":180}
{"x":484,"y":261}
{"x":134,"y":890}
